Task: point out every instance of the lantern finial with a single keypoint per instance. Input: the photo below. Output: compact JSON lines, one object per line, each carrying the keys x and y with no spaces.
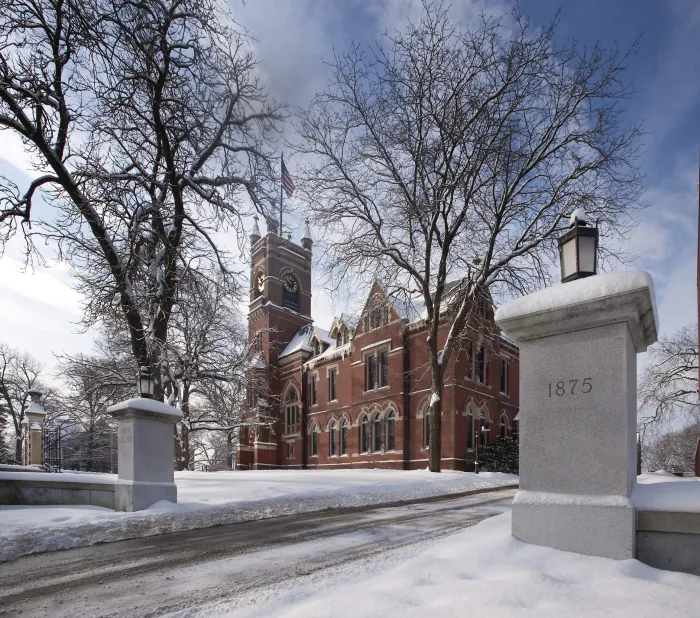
{"x":578,"y":248}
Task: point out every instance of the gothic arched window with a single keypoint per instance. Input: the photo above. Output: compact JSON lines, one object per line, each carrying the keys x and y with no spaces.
{"x":344,"y":430}
{"x":333,"y":437}
{"x":391,"y":431}
{"x":470,"y":428}
{"x":364,"y":434}
{"x":377,"y":432}
{"x":291,"y":409}
{"x":314,"y":440}
{"x":503,"y":426}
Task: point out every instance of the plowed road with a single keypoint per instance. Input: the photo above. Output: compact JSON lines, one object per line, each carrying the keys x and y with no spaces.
{"x":238,"y":565}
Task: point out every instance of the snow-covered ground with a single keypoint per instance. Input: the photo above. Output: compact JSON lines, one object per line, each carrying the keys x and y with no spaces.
{"x":662,"y":491}
{"x":214,"y":498}
{"x":484,"y":571}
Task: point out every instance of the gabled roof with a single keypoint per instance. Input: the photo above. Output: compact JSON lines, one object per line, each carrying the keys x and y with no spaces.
{"x":343,"y":320}
{"x":333,"y":351}
{"x":302,"y":340}
{"x":322,"y":334}
{"x":412,"y":309}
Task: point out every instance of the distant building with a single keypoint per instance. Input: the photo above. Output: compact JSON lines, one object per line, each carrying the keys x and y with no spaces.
{"x":358,"y":394}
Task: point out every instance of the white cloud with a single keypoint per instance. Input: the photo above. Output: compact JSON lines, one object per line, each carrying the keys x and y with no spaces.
{"x":39,"y":312}
{"x":12,"y":150}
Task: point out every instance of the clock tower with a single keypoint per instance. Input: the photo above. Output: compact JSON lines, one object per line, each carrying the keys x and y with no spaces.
{"x":280,"y":305}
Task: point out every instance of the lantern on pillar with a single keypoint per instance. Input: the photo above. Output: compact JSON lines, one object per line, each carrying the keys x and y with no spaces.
{"x":578,"y":249}
{"x":146,"y":383}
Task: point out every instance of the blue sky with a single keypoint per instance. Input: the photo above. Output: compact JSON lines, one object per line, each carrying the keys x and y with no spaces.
{"x":37,"y":310}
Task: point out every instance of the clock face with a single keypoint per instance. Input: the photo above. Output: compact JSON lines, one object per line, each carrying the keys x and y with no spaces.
{"x":260,"y":282}
{"x":290,"y":283}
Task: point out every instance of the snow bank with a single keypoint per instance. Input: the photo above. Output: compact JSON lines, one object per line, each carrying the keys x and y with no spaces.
{"x":661,"y":492}
{"x":484,"y":571}
{"x":214,"y":498}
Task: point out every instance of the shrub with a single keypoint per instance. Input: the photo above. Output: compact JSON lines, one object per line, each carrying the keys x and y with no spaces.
{"x":501,"y":455}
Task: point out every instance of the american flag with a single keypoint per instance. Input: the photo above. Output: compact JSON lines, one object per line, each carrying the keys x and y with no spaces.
{"x":287,"y":181}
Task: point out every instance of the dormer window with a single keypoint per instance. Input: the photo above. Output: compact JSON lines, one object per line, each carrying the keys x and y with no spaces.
{"x":341,"y":337}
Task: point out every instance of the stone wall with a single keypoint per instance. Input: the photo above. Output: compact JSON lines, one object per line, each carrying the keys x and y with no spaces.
{"x":55,"y":492}
{"x":669,"y":540}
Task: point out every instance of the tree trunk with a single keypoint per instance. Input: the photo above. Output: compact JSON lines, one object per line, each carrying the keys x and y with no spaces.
{"x":178,"y":447}
{"x":229,"y":450}
{"x":434,"y":461}
{"x":435,"y":406}
{"x":182,"y":442}
{"x":18,"y":449}
{"x":185,"y":447}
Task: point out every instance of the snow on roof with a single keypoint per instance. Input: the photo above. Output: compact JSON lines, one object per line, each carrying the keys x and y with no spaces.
{"x":322,"y":334}
{"x":412,"y":309}
{"x":332,"y":352}
{"x":507,"y":339}
{"x":300,"y":341}
{"x":35,"y":408}
{"x":349,"y":321}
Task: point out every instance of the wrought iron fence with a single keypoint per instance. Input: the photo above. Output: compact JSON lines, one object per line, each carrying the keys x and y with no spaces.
{"x":53,"y":453}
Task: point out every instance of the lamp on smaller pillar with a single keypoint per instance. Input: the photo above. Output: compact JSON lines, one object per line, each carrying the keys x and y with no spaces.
{"x":146,"y":383}
{"x":484,"y":432}
{"x":578,"y":249}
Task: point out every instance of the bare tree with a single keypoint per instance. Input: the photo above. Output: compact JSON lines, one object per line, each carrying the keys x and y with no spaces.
{"x":6,"y":454}
{"x":19,"y":373}
{"x":446,"y":154}
{"x":151,"y":131}
{"x":204,"y":363}
{"x":674,"y":451}
{"x":668,"y":389}
{"x":90,"y":385}
{"x":205,"y":359}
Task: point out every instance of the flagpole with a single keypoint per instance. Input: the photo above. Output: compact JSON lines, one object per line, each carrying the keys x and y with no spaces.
{"x":281,"y":196}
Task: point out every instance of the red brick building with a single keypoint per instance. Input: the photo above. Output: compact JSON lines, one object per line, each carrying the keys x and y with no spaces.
{"x":357,"y":394}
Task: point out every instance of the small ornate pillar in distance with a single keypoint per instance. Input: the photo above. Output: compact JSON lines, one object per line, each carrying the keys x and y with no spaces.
{"x":578,"y":410}
{"x":146,"y":453}
{"x":33,"y":426}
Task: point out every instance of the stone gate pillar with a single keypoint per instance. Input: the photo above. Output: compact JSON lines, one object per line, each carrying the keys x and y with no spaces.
{"x":33,"y":428}
{"x":578,"y":410}
{"x":146,"y":454}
